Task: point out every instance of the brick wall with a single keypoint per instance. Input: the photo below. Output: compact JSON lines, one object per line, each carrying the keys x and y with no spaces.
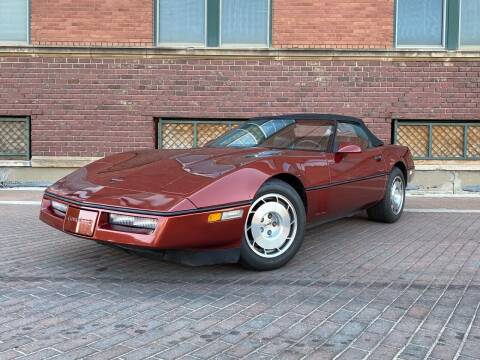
{"x":92,"y":22}
{"x":304,"y":24}
{"x":333,"y":24}
{"x":91,"y":106}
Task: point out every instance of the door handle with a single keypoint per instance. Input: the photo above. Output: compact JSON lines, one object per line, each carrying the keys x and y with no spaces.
{"x":377,"y":157}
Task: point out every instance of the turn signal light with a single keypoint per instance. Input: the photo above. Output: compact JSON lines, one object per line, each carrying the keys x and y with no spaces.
{"x":214,"y":217}
{"x":226,"y":215}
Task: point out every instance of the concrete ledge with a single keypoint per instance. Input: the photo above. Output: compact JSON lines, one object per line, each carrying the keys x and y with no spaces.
{"x":61,"y":161}
{"x":439,"y":177}
{"x":448,"y":165}
{"x":445,"y":181}
{"x":279,"y":54}
{"x":76,"y":161}
{"x":15,"y":163}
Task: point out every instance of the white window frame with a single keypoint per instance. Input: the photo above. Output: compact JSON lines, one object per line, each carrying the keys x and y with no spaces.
{"x":179,"y":45}
{"x":460,"y":46}
{"x":420,"y":46}
{"x":15,"y":42}
{"x":237,"y":46}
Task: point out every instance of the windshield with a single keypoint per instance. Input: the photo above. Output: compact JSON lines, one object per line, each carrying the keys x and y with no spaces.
{"x":279,"y":134}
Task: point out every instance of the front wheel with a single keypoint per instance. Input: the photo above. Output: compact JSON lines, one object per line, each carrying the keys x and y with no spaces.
{"x":274,"y":228}
{"x":390,"y":209}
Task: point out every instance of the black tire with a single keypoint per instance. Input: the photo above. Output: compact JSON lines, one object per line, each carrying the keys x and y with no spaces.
{"x":384,"y":211}
{"x":249,"y":253}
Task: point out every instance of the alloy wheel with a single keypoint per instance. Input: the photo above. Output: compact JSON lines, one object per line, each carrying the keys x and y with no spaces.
{"x":271,"y":225}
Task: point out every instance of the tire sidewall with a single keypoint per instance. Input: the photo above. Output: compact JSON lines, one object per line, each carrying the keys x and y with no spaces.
{"x":396,"y":172}
{"x":252,"y":260}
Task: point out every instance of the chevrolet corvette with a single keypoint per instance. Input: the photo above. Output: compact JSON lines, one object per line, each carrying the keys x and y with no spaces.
{"x":245,"y":197}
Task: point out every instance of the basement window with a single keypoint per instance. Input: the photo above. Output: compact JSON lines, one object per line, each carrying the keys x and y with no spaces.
{"x":14,"y":138}
{"x":14,"y":22}
{"x":190,"y":133}
{"x":439,"y":140}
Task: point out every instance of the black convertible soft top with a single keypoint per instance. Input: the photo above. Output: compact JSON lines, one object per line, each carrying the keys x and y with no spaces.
{"x":329,"y":117}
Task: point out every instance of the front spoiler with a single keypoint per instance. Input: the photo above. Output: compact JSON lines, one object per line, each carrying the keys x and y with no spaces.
{"x":185,"y":257}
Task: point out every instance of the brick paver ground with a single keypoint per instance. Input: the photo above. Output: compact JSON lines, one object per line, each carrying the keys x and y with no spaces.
{"x":356,"y":289}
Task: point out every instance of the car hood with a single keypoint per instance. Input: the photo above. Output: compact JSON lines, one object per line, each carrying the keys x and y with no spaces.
{"x":160,"y":180}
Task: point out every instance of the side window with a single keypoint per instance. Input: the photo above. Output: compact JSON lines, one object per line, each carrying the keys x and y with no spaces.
{"x":303,"y":135}
{"x":348,"y":133}
{"x":312,"y":137}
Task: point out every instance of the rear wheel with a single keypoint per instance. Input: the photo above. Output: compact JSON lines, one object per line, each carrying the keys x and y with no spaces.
{"x":390,"y":209}
{"x":274,"y":228}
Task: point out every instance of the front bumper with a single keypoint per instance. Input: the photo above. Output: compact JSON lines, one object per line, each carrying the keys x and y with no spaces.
{"x":187,"y":231}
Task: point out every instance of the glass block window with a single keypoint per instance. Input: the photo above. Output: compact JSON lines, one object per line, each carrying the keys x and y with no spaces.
{"x":470,"y":23}
{"x":14,"y":138}
{"x":245,"y":22}
{"x":14,"y":24}
{"x":439,"y":140}
{"x":186,"y":134}
{"x":420,"y":23}
{"x":213,"y":23}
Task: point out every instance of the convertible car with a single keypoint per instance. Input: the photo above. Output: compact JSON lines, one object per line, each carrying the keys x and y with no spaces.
{"x":246,"y":196}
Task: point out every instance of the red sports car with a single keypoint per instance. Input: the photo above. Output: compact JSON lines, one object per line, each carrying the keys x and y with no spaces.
{"x":247,"y":196}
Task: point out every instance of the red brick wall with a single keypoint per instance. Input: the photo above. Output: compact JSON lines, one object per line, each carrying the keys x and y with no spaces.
{"x":96,"y":106}
{"x":333,"y":24}
{"x":304,"y":24}
{"x":92,"y":22}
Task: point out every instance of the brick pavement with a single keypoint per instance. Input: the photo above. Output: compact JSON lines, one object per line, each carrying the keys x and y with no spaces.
{"x":356,"y":289}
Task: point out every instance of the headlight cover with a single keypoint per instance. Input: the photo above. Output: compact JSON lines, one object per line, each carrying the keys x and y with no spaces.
{"x":132,"y":221}
{"x":60,"y":207}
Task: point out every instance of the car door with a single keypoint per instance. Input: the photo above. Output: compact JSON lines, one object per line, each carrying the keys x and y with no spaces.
{"x":306,"y":145}
{"x":358,"y":179}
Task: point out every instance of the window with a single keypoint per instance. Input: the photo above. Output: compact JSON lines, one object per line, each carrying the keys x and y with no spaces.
{"x":279,"y":133}
{"x":348,"y":133}
{"x":311,"y":135}
{"x":213,"y":23}
{"x":439,"y":140}
{"x":181,"y":22}
{"x":189,"y":133}
{"x":420,"y":23}
{"x":14,"y":138}
{"x":470,"y":23}
{"x":244,"y":22}
{"x":14,"y":15}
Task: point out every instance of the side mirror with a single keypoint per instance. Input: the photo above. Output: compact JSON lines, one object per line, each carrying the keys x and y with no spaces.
{"x":349,"y":149}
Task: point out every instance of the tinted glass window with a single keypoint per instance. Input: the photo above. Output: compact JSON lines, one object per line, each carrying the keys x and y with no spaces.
{"x":470,"y":23}
{"x":181,"y":22}
{"x":348,"y":134}
{"x":420,"y":22}
{"x":279,"y":134}
{"x":303,"y":135}
{"x":14,"y":20}
{"x":245,"y":22}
